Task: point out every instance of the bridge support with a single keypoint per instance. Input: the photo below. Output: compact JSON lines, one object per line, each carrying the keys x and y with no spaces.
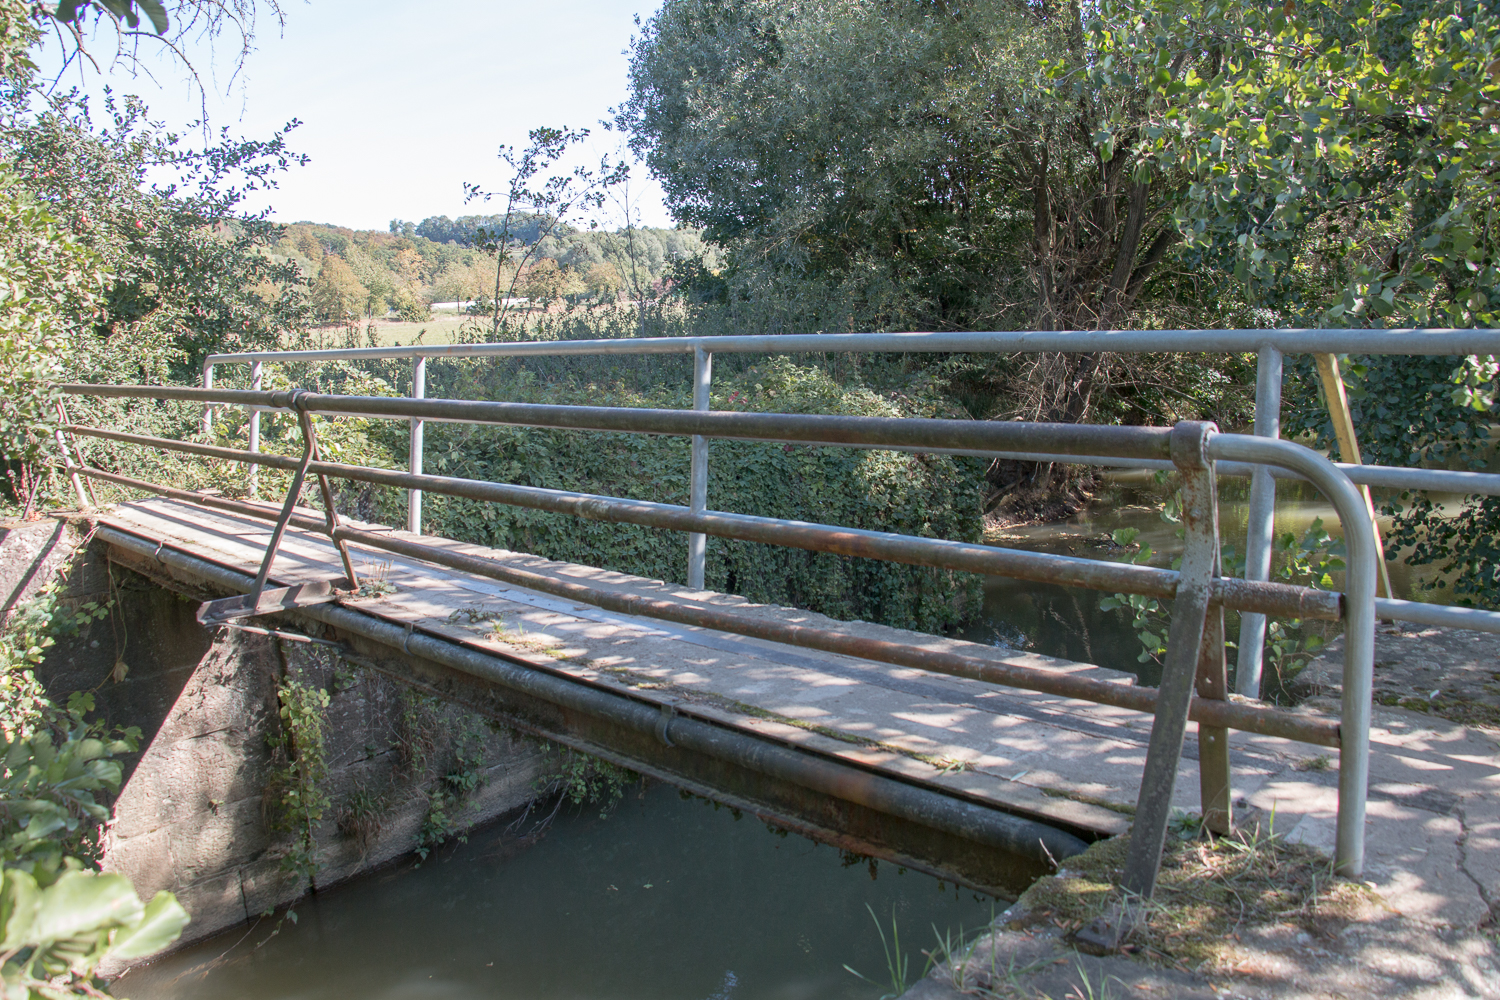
{"x":1191,"y":659}
{"x":803,"y":791}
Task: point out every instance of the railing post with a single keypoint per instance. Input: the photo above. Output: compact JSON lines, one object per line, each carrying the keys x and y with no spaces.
{"x":697,"y":543}
{"x":208,"y":408}
{"x":1343,"y":432}
{"x":1359,"y":629}
{"x":414,"y":461}
{"x":1261,"y":531}
{"x":1185,"y":640}
{"x":255,"y":382}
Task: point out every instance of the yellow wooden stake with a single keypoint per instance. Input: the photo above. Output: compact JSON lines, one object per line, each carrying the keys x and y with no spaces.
{"x":1343,"y":431}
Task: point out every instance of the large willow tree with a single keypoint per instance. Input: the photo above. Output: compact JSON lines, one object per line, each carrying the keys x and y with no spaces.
{"x":912,"y":153}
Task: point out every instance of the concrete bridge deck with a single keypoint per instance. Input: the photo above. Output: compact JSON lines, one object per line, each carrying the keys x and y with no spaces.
{"x":1069,"y":764}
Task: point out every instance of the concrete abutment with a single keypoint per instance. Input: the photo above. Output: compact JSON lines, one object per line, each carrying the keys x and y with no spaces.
{"x":197,"y":812}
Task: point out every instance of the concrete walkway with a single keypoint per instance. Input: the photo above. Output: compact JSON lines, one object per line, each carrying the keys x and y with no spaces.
{"x":1432,"y":854}
{"x":1066,"y":762}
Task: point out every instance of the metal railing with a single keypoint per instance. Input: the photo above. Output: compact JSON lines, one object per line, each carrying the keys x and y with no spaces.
{"x":1194,"y":660}
{"x":1269,"y":345}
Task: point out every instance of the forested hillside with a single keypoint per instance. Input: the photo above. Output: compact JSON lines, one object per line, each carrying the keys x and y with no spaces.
{"x":355,"y":275}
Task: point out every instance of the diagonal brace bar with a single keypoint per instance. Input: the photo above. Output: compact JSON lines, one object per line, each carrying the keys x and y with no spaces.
{"x":1185,"y":641}
{"x":247,"y":605}
{"x":330,"y":512}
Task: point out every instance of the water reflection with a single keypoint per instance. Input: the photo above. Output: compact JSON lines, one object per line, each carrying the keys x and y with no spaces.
{"x":667,"y":899}
{"x":1066,"y":622}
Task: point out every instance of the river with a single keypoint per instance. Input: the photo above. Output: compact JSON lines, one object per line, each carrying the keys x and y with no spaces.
{"x":666,"y":899}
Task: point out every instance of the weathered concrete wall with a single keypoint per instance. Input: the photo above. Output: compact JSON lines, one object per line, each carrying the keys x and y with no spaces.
{"x":194,"y":815}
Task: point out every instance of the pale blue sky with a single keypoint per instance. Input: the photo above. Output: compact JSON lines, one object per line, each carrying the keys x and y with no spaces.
{"x":403,"y":102}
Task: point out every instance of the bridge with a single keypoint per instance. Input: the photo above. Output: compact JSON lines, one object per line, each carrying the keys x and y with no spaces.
{"x":973,"y":763}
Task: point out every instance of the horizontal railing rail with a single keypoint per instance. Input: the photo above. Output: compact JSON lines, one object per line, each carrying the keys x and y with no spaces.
{"x":1289,"y":341}
{"x":1200,"y":593}
{"x":1268,"y":344}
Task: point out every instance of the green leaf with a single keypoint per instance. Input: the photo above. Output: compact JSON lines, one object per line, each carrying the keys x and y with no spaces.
{"x":160,"y":925}
{"x":82,"y":902}
{"x":157,"y":13}
{"x":19,"y":898}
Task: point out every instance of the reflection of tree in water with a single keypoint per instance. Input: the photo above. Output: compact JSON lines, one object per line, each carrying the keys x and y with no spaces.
{"x":1081,"y":630}
{"x":1055,"y":621}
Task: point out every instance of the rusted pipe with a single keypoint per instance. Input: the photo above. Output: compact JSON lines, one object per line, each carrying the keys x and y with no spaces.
{"x":979,"y":435}
{"x":1281,"y":600}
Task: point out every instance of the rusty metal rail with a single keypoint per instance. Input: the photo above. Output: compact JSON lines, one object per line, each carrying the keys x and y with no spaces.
{"x":1269,"y":345}
{"x":1195,"y":657}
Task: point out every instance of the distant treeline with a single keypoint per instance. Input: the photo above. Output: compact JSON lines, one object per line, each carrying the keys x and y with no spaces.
{"x":362,"y":274}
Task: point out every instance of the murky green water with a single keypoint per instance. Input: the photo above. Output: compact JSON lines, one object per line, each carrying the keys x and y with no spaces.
{"x":1067,"y":622}
{"x":667,"y":899}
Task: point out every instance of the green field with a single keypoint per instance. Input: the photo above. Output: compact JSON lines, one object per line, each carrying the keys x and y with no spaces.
{"x":442,"y":328}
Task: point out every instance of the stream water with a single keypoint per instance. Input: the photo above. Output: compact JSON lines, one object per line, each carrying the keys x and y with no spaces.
{"x":671,"y":899}
{"x":1068,"y":622}
{"x":667,"y":899}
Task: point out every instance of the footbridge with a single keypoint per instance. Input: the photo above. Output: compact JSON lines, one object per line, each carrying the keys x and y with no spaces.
{"x":975,"y":763}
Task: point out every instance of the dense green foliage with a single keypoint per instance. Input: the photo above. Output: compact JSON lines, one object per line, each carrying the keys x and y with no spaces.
{"x":933,"y":496}
{"x":302,"y":768}
{"x":59,"y":916}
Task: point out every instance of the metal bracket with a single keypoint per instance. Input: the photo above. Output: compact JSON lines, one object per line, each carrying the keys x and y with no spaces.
{"x":267,"y":602}
{"x":668,"y":713}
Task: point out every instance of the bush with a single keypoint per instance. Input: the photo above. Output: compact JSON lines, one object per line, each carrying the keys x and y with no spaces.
{"x":925,"y":495}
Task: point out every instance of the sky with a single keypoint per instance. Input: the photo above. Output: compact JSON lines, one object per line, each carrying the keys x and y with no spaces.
{"x":398,"y":107}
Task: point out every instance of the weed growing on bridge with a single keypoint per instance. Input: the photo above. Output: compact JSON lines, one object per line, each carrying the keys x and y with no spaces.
{"x":296,"y":786}
{"x":581,"y":779}
{"x":362,"y":817}
{"x":463,"y":778}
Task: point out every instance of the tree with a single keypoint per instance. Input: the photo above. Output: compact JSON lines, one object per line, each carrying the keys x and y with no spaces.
{"x":532,"y":193}
{"x":914,"y":159}
{"x":188,"y":267}
{"x":1342,"y":155}
{"x":602,"y":280}
{"x":911,"y":150}
{"x":337,"y":295}
{"x":544,"y":281}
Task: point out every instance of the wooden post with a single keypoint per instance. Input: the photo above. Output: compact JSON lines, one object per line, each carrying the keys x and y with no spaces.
{"x":1343,"y":431}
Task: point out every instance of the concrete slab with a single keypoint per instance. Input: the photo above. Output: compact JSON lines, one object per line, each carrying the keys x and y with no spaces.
{"x":1061,"y":760}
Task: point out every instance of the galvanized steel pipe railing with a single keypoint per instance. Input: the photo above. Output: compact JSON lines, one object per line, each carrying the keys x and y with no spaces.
{"x":1269,"y":345}
{"x":1071,"y":440}
{"x":1282,"y":600}
{"x":1289,"y":341}
{"x":1359,"y":625}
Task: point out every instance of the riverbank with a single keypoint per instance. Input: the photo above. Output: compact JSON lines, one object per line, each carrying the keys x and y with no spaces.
{"x":1260,"y":916}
